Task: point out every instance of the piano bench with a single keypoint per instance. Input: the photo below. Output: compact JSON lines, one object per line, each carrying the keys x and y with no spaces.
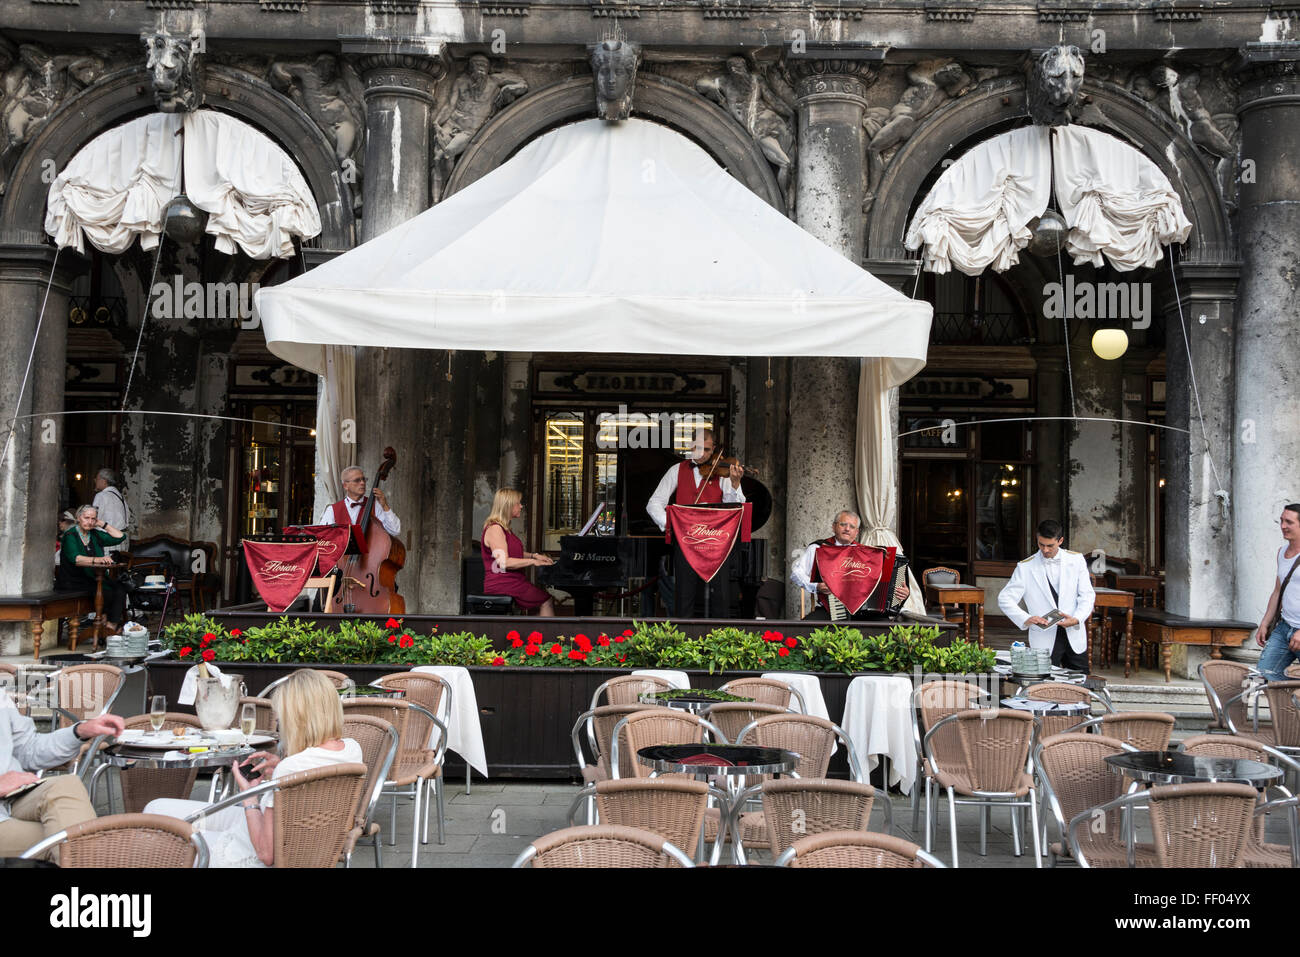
{"x":489,"y":604}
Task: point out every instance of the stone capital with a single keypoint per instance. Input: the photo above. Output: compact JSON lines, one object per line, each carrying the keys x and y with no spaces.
{"x":839,"y":79}
{"x":1267,"y":74}
{"x":33,"y":262}
{"x":395,"y":68}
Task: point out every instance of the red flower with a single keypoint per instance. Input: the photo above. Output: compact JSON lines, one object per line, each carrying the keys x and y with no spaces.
{"x":792,"y":642}
{"x":406,"y":641}
{"x":244,"y":642}
{"x":603,"y":641}
{"x":512,"y":635}
{"x":534,"y":637}
{"x":783,"y":652}
{"x":209,"y":655}
{"x":235,"y":632}
{"x":576,"y":655}
{"x":392,"y":623}
{"x":498,"y":661}
{"x":515,"y":642}
{"x":628,"y":633}
{"x":622,"y":658}
{"x":392,"y":639}
{"x":530,"y":650}
{"x":583,"y":642}
{"x":185,"y":651}
{"x":619,"y":640}
{"x":555,"y":648}
{"x":207,"y":640}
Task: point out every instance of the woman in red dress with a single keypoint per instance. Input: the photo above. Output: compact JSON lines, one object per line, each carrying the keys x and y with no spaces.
{"x":504,"y":556}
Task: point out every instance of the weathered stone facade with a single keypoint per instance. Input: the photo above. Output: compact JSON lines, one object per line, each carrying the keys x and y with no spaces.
{"x":841,"y":115}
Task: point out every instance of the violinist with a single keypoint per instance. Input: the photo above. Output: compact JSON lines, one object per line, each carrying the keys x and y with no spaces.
{"x":703,"y":480}
{"x":348,"y":510}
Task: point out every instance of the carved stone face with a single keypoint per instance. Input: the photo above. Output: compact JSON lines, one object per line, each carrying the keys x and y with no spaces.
{"x":479,"y":65}
{"x":171,"y":61}
{"x":614,"y":64}
{"x":1062,"y":74}
{"x":736,"y":66}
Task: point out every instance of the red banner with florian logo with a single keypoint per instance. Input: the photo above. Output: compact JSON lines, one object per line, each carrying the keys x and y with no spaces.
{"x":852,"y":572}
{"x":279,"y":570}
{"x":705,"y":535}
{"x":332,"y":542}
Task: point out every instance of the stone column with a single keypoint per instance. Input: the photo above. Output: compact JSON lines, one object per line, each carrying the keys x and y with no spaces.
{"x":1267,"y":373}
{"x":1099,"y":511}
{"x":400,"y":391}
{"x":824,"y":390}
{"x":29,"y":486}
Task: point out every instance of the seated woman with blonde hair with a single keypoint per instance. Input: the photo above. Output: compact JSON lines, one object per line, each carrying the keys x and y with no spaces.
{"x":504,"y":555}
{"x":310,"y":715}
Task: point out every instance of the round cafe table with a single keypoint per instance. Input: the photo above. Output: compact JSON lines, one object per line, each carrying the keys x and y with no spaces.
{"x":1178,"y":767}
{"x":695,"y":705}
{"x":130,"y":756}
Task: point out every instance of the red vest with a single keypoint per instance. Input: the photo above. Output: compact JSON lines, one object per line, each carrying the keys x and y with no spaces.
{"x":686,"y":487}
{"x":341,"y":517}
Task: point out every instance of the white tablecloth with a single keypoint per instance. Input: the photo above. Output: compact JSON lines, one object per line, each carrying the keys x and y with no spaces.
{"x":809,"y":686}
{"x":878,"y":720}
{"x":464,"y":732}
{"x":677,"y":679}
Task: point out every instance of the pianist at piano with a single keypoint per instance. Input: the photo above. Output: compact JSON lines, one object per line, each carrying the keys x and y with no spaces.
{"x":504,"y":556}
{"x":845,"y":529}
{"x":686,"y":483}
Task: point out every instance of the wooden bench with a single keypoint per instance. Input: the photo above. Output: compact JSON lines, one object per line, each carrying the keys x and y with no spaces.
{"x":45,"y":605}
{"x":1155,"y":626}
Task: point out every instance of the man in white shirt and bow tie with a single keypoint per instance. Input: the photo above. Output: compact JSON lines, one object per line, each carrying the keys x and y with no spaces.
{"x":1052,"y":578}
{"x":347,"y":511}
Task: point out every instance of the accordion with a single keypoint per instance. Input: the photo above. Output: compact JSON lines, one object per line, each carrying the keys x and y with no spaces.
{"x":882,"y":602}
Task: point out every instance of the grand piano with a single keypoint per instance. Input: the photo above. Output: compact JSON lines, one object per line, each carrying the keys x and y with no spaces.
{"x":632,"y":559}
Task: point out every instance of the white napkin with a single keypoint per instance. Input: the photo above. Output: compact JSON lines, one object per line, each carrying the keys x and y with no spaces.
{"x":190,"y":686}
{"x":131,"y":734}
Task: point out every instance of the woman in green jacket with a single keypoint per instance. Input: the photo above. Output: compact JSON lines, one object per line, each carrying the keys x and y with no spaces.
{"x":82,"y":551}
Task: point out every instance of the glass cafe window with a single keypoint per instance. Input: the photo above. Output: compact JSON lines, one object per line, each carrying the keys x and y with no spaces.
{"x":562,"y":494}
{"x":1002,"y":497}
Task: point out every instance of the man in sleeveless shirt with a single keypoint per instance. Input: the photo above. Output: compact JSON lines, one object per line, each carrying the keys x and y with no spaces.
{"x":348,"y":510}
{"x":681,"y":486}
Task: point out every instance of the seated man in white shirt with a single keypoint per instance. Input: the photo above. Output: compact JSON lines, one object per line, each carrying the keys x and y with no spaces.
{"x":845,"y":529}
{"x":681,"y":485}
{"x":348,"y":510}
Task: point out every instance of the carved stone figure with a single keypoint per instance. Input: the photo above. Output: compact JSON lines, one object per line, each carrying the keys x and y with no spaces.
{"x":614,"y":64}
{"x":753,"y":101}
{"x":476,"y":96}
{"x":1215,"y":133}
{"x":1054,"y":84}
{"x":173,"y":63}
{"x":931,"y":83}
{"x":330,"y":92}
{"x":36,"y":84}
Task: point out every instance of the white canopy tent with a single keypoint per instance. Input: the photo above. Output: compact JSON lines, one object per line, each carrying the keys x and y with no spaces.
{"x":621,"y":238}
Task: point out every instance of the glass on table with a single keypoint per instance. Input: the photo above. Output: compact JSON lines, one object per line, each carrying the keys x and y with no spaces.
{"x":248,"y":721}
{"x":157,"y":712}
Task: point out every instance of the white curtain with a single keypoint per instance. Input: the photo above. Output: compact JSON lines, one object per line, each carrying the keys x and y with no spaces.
{"x":976,"y":215}
{"x":336,"y":404}
{"x":117,"y":186}
{"x":874,"y":468}
{"x":1117,"y":203}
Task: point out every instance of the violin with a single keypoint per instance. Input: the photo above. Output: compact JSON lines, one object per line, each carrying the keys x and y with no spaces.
{"x":720,"y":460}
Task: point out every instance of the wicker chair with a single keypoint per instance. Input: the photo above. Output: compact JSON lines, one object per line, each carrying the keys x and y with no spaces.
{"x":1228,"y":686}
{"x":1142,"y":730}
{"x":431,"y":692}
{"x":337,"y":678}
{"x":991,"y":766}
{"x":645,"y":728}
{"x":266,"y":722}
{"x":673,"y":808}
{"x":603,"y":845}
{"x":1075,"y":777}
{"x":1050,"y":724}
{"x":733,"y":716}
{"x":1258,"y":852}
{"x":1194,"y":825}
{"x":1286,"y":717}
{"x":767,"y":691}
{"x":81,"y":692}
{"x":796,"y":807}
{"x":942,"y":575}
{"x":141,"y":785}
{"x":855,"y":849}
{"x":628,"y":689}
{"x":379,"y":743}
{"x":418,"y":764}
{"x":931,"y":703}
{"x":599,"y":724}
{"x":314,"y":813}
{"x":126,"y":840}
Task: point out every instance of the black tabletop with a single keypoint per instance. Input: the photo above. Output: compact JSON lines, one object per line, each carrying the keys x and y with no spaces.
{"x":1178,"y":767}
{"x":727,"y":759}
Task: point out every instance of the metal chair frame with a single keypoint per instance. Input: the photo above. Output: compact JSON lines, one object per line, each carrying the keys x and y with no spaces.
{"x":526,"y":856}
{"x":444,"y":708}
{"x":704,"y":724}
{"x":1052,"y":803}
{"x":587,"y":796}
{"x":201,"y":853}
{"x":925,"y":857}
{"x":794,"y":692}
{"x":385,"y":766}
{"x":1220,"y":708}
{"x":920,"y":753}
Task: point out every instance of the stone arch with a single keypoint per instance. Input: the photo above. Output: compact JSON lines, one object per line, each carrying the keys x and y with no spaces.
{"x":657,"y":99}
{"x":999,"y":102}
{"x":126,"y":94}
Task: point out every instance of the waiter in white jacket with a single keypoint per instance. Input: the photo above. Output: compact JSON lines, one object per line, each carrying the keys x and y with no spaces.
{"x":1052,"y":578}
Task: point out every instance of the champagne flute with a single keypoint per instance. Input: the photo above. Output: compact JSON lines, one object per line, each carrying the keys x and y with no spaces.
{"x":157,"y":712}
{"x":248,"y":721}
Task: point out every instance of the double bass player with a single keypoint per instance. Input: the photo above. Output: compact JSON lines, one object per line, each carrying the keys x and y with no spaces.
{"x":347,"y":511}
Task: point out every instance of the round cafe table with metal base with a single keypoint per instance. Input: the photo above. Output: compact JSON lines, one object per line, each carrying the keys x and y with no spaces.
{"x":215,"y":758}
{"x":692,"y":703}
{"x":1040,"y":707}
{"x":731,"y":761}
{"x":1178,"y":767}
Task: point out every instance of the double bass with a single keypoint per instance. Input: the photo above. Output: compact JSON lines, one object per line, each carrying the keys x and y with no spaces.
{"x":370,"y":576}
